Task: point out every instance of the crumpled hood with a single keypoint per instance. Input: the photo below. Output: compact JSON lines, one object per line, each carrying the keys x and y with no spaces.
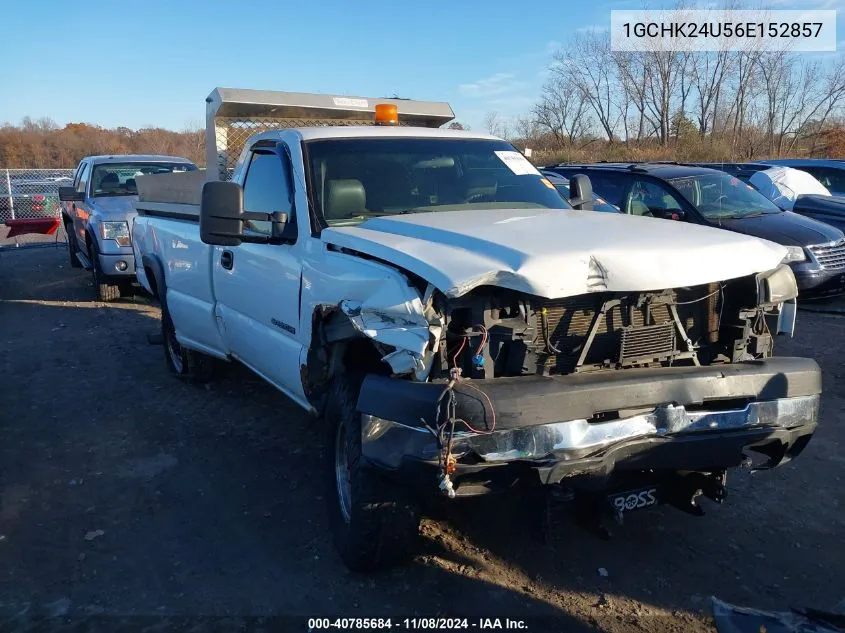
{"x":111,"y":208}
{"x":556,"y":253}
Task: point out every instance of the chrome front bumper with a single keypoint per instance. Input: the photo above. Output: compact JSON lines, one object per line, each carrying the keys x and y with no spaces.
{"x":387,"y":443}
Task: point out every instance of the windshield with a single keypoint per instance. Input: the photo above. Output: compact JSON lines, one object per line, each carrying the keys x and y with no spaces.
{"x":599,"y":204}
{"x":721,"y":196}
{"x":118,"y":179}
{"x":359,"y":178}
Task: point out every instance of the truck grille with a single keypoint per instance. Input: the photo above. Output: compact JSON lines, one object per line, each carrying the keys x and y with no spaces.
{"x":830,"y":256}
{"x":627,"y":335}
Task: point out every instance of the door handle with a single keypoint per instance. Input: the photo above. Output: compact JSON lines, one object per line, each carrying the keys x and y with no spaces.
{"x":227,"y":260}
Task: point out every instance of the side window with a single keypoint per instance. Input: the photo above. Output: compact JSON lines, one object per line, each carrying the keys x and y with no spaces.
{"x":651,"y":199}
{"x":833,"y":179}
{"x":82,"y":183}
{"x":77,"y":174}
{"x":611,"y":187}
{"x":266,"y":190}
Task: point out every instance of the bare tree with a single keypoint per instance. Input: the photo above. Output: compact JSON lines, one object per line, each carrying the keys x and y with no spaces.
{"x":587,"y":65}
{"x":495,"y":125}
{"x":664,"y":70}
{"x":633,"y":74}
{"x":709,"y":72}
{"x":562,"y":111}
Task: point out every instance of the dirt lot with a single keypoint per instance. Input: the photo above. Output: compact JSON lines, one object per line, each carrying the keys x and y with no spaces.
{"x":125,"y":492}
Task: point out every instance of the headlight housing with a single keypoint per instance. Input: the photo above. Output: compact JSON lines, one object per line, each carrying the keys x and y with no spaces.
{"x":794,"y":254}
{"x":117,"y":231}
{"x":776,"y":286}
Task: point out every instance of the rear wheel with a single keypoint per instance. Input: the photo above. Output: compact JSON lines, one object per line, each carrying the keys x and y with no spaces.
{"x":373,"y":523}
{"x":187,"y":364}
{"x":72,"y":246}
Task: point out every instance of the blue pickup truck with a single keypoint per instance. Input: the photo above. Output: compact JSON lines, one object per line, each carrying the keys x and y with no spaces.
{"x":97,"y":212}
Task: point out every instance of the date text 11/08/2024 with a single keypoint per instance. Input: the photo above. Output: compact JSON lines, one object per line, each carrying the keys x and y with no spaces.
{"x":416,"y":624}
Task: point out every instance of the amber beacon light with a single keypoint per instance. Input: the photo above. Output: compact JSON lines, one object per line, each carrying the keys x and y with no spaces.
{"x":386,"y":114}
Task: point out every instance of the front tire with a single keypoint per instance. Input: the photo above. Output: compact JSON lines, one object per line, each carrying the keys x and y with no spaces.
{"x":373,"y":523}
{"x":105,"y":291}
{"x":187,"y":364}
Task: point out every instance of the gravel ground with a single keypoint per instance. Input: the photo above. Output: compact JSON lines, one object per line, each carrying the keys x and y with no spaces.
{"x":126,"y":493}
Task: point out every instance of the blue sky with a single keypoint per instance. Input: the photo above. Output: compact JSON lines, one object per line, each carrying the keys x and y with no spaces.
{"x":152,"y":63}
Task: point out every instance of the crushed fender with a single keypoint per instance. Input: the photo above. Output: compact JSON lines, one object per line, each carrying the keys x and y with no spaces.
{"x":409,"y":327}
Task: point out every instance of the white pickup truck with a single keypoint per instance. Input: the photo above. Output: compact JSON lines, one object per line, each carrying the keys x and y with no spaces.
{"x":459,"y":327}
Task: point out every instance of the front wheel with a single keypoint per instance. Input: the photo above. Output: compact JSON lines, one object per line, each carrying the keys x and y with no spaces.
{"x":105,"y":290}
{"x":374,"y":524}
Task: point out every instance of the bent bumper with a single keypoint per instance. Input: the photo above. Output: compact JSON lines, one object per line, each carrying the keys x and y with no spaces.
{"x":673,"y":418}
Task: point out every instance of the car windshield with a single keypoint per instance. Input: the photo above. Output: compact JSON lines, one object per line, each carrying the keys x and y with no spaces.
{"x":359,"y":178}
{"x":118,"y":179}
{"x":721,"y":196}
{"x":599,"y":204}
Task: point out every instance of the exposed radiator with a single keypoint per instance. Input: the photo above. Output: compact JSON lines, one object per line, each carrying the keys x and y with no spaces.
{"x":626,"y":335}
{"x":647,"y":344}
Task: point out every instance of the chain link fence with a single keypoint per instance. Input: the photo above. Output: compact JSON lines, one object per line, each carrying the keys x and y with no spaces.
{"x":27,"y":194}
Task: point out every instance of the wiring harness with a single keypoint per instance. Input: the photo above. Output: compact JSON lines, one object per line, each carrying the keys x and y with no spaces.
{"x":444,"y":432}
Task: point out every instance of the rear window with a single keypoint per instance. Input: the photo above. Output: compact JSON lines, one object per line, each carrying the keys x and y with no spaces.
{"x":118,"y":179}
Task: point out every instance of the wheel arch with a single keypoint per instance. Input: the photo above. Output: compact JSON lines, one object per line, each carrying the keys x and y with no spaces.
{"x":337,"y":347}
{"x":154,"y":271}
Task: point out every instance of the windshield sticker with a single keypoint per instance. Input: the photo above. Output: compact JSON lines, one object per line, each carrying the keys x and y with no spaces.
{"x":548,"y":183}
{"x":346,"y":102}
{"x":517,"y":163}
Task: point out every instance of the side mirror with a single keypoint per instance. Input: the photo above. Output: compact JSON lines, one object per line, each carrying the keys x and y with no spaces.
{"x":70,"y":194}
{"x":581,"y":192}
{"x":221,"y":213}
{"x":222,"y":217}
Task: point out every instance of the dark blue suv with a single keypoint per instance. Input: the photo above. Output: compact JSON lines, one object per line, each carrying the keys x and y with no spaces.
{"x":714,"y":198}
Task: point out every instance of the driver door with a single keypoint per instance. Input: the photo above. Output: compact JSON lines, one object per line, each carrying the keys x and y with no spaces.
{"x":256,"y":285}
{"x":78,"y":211}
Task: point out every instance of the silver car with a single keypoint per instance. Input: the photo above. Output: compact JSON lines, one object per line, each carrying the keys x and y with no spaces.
{"x":98,"y":210}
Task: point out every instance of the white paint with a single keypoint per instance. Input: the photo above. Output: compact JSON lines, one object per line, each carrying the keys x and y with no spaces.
{"x":262,"y":311}
{"x":782,"y":185}
{"x":383,"y":131}
{"x":517,"y":163}
{"x":556,"y":253}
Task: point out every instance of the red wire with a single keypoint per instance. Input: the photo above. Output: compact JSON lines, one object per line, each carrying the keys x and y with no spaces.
{"x":460,"y":349}
{"x":483,"y":339}
{"x":492,"y":412}
{"x":486,"y":397}
{"x":464,"y":342}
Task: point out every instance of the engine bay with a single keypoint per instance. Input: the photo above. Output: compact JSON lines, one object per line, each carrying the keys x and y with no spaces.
{"x":492,"y":332}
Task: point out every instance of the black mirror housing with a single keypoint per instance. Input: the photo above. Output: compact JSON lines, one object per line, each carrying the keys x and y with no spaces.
{"x":221,"y":213}
{"x":70,"y":194}
{"x":581,"y":192}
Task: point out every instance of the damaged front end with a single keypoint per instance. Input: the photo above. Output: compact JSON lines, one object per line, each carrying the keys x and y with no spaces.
{"x":495,"y":386}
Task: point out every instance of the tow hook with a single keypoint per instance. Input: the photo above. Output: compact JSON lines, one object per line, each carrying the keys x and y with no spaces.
{"x":685,"y":491}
